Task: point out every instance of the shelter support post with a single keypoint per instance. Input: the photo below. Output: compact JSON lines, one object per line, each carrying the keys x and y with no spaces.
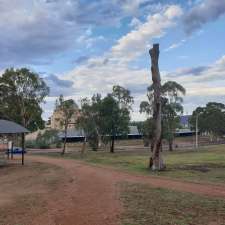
{"x":23,"y":147}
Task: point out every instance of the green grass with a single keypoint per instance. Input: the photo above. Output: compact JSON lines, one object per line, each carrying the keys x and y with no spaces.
{"x":204,"y":165}
{"x":156,"y":206}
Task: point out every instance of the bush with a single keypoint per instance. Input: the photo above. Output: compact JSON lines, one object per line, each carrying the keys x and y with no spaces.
{"x":46,"y":140}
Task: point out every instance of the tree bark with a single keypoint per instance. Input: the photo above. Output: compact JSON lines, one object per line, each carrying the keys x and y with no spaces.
{"x":156,"y":161}
{"x":170,"y":145}
{"x":112,"y":144}
{"x":64,"y":143}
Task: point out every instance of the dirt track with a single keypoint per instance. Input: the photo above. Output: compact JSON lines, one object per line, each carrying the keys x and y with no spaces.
{"x":90,"y":195}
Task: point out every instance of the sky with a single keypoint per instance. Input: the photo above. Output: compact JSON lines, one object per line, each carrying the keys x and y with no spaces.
{"x":83,"y":47}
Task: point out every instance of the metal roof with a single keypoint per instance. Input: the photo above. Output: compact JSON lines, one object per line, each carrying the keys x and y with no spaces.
{"x":9,"y":127}
{"x":71,"y":133}
{"x":76,"y":133}
{"x":133,"y":130}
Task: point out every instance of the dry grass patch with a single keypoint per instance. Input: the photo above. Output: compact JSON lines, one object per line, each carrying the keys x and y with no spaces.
{"x":24,"y":191}
{"x":157,"y":206}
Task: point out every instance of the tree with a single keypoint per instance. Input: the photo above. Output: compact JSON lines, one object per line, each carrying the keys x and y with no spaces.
{"x":163,"y":104}
{"x":122,"y":96}
{"x":66,"y":108}
{"x":107,"y":117}
{"x":115,"y":120}
{"x":21,"y":94}
{"x":156,"y":162}
{"x":90,"y":120}
{"x":211,"y":119}
{"x":171,"y":100}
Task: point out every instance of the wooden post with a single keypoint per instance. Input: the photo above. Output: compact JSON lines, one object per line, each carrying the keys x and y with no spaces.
{"x":23,"y":147}
{"x":156,"y":162}
{"x":11,"y":150}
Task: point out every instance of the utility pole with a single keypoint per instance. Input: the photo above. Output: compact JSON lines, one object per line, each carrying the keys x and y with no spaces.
{"x":196,"y":132}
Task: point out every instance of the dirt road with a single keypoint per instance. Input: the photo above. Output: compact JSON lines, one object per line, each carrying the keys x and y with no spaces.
{"x":90,"y":194}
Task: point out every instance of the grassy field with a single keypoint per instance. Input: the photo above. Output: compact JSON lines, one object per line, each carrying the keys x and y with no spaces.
{"x":145,"y":205}
{"x":203,"y":165}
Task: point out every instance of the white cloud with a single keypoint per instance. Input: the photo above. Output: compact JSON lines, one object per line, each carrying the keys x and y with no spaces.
{"x":134,"y":43}
{"x":203,"y":83}
{"x":99,"y":74}
{"x":37,"y":31}
{"x":176,"y":45}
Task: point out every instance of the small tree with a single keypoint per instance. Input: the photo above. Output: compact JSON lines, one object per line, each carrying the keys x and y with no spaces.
{"x":66,"y":108}
{"x":90,"y":121}
{"x":115,"y":120}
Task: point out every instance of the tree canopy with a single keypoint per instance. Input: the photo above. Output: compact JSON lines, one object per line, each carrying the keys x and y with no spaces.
{"x":171,"y":99}
{"x":21,"y":94}
{"x":211,"y":119}
{"x":103,"y":119}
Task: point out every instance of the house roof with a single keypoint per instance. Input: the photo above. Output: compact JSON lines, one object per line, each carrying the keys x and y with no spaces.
{"x":75,"y":133}
{"x":9,"y":127}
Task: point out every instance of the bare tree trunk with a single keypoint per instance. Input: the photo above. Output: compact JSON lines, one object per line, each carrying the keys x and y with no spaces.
{"x":83,"y":146}
{"x":112,"y":144}
{"x":64,"y":143}
{"x":170,"y":145}
{"x":156,"y":162}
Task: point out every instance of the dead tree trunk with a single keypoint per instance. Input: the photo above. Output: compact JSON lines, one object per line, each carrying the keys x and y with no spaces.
{"x":156,"y":162}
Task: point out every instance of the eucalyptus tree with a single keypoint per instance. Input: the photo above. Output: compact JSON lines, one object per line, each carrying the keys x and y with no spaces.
{"x":90,"y":121}
{"x":66,"y":108}
{"x":21,"y":94}
{"x":115,"y":119}
{"x":171,"y":100}
{"x":211,"y":119}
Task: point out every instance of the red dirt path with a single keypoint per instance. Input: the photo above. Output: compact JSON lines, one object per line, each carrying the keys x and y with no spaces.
{"x":91,"y":197}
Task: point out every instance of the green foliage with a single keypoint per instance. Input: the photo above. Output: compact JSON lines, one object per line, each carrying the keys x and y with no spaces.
{"x":21,"y":94}
{"x":171,"y":93}
{"x":146,"y":129}
{"x":122,"y":96}
{"x":46,"y":140}
{"x":90,"y":120}
{"x":115,"y":120}
{"x":211,"y":119}
{"x":107,"y":117}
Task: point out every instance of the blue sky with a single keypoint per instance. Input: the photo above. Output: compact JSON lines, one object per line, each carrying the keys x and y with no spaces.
{"x":82,"y":47}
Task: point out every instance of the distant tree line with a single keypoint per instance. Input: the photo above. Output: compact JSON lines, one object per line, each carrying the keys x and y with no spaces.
{"x":210,"y":120}
{"x":103,"y":118}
